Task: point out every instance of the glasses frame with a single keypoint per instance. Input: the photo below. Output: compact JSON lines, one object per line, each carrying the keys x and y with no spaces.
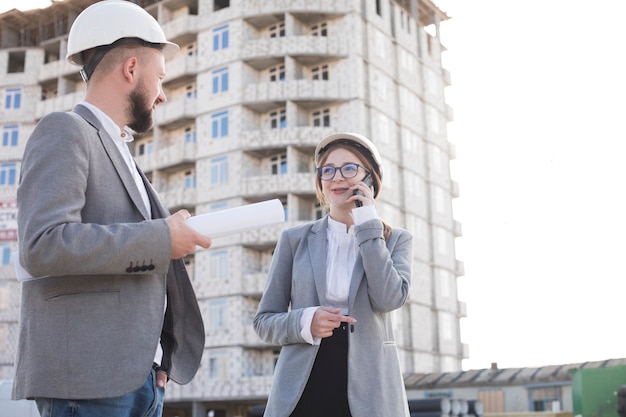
{"x":340,"y":169}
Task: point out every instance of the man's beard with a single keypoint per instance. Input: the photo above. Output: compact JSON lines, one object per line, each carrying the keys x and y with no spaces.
{"x":140,"y":114}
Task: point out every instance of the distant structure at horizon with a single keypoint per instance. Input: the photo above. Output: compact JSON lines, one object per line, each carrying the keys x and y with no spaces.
{"x":252,"y":90}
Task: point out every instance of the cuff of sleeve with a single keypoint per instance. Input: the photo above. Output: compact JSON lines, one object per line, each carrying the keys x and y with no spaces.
{"x":362,"y":214}
{"x":305,"y":325}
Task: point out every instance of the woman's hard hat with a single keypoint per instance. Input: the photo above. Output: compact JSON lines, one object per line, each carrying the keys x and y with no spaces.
{"x":111,"y":21}
{"x":356,"y":140}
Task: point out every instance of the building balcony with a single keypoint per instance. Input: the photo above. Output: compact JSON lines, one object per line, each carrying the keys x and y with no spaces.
{"x":176,"y":156}
{"x":176,"y":113}
{"x":260,"y":9}
{"x":271,"y":185}
{"x":457,"y":228}
{"x":57,"y":69}
{"x":146,"y":162}
{"x":65,"y":102}
{"x":250,"y":338}
{"x":308,"y":49}
{"x":301,"y":137}
{"x":455,"y":189}
{"x":256,"y":96}
{"x":13,"y":153}
{"x":255,"y":386}
{"x":184,"y":66}
{"x":181,"y":30}
{"x":178,"y":198}
{"x":462,"y":311}
{"x":252,"y":285}
{"x":460,"y":268}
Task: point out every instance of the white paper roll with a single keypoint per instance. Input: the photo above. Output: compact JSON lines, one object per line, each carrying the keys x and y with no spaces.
{"x":238,"y":219}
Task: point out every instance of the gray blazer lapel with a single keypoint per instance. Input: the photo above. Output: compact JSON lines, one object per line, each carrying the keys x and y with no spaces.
{"x":357,"y":276}
{"x":318,"y":243}
{"x":116,"y":159}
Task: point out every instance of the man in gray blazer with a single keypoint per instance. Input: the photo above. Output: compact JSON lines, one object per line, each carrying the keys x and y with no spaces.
{"x":113,"y":314}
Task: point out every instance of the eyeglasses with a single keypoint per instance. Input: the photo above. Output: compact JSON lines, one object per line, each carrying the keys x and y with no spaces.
{"x":327,"y":172}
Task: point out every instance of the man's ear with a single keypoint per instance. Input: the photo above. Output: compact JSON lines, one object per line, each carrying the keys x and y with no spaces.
{"x":129,"y":69}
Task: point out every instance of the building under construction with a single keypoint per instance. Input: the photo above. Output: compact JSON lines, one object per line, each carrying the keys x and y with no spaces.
{"x":254,"y":87}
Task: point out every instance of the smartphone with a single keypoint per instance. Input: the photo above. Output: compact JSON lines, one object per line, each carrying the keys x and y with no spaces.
{"x":369,"y":181}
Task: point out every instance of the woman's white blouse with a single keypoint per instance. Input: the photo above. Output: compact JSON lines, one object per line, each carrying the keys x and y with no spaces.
{"x":341,"y":255}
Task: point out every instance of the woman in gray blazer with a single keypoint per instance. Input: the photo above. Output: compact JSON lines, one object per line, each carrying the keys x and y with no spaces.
{"x":331,"y":288}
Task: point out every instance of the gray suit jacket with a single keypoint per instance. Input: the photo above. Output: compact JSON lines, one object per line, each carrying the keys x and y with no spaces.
{"x":380,"y":284}
{"x":91,"y":328}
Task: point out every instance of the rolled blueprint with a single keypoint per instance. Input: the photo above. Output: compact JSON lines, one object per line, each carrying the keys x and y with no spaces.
{"x":238,"y":219}
{"x":214,"y":224}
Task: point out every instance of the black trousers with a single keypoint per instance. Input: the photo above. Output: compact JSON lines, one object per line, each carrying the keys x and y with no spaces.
{"x":326,"y":391}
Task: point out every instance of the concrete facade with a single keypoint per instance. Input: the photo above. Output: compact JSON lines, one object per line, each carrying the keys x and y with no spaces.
{"x":254,"y":87}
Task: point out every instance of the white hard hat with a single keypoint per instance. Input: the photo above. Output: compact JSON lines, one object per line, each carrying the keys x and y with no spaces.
{"x":109,"y":21}
{"x":355,"y":139}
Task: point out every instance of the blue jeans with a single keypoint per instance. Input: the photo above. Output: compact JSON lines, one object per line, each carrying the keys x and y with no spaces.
{"x":147,"y":401}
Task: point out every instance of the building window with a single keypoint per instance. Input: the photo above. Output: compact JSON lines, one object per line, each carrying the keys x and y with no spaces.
{"x":440,"y":201}
{"x":190,"y":91}
{"x":545,"y":399}
{"x":277,"y":73}
{"x":220,"y":4}
{"x":442,"y":242}
{"x":217,"y":314}
{"x":190,"y":179}
{"x":48,"y":93}
{"x":378,"y":8}
{"x":219,"y":170}
{"x":13,"y":98}
{"x":17,"y":62}
{"x":8,"y":174}
{"x":5,"y":253}
{"x":320,"y":73}
{"x":222,"y":205}
{"x":220,"y":80}
{"x":319,"y":30}
{"x":218,"y":265}
{"x":277,"y":30}
{"x":144,"y":148}
{"x":218,"y":365}
{"x":190,"y":135}
{"x":279,"y":164}
{"x":9,"y":136}
{"x":321,"y":118}
{"x":220,"y":38}
{"x":219,"y":124}
{"x":278,"y":119}
{"x":318,"y":212}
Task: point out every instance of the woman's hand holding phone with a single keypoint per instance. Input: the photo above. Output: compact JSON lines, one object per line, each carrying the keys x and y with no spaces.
{"x":367,"y":180}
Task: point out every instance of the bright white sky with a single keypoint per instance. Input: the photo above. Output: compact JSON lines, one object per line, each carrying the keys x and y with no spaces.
{"x":538,"y":92}
{"x":539,"y":98}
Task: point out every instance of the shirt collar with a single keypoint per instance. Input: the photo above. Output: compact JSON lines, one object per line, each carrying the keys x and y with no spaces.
{"x":122,"y":135}
{"x":338,"y":228}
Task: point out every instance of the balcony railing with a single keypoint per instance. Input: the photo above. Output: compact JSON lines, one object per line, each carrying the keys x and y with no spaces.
{"x":176,"y":112}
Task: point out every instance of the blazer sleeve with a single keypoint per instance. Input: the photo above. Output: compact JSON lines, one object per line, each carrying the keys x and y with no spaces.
{"x":387,"y":265}
{"x":65,"y":174}
{"x":274,"y":322}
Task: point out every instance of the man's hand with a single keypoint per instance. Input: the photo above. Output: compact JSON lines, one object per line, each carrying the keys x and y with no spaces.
{"x":161,"y":379}
{"x":184,"y":238}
